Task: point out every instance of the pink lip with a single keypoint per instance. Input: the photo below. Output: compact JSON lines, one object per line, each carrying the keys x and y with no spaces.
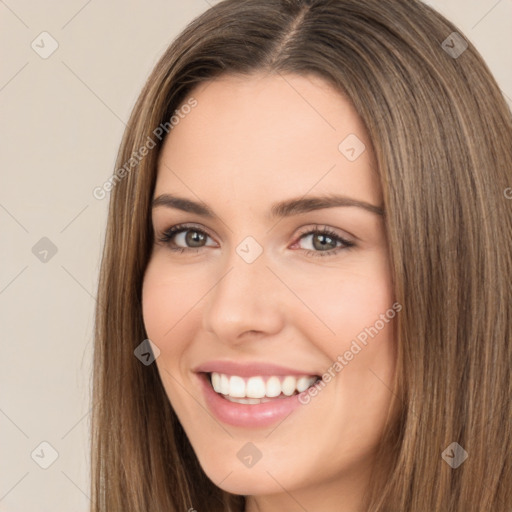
{"x":246,"y":415}
{"x":248,"y":369}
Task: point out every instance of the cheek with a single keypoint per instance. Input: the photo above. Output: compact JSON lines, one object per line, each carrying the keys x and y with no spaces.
{"x":164,"y":303}
{"x":350,"y":298}
{"x":156,"y":302}
{"x":363,"y":303}
{"x":168,"y":301}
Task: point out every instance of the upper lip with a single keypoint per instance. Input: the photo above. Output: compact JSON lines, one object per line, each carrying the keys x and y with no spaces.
{"x":249,"y":369}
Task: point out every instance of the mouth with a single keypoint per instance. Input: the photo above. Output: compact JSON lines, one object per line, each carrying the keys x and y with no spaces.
{"x":254,"y":401}
{"x":259,"y":389}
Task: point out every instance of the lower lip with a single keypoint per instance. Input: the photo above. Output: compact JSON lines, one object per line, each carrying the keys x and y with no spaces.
{"x":247,"y":415}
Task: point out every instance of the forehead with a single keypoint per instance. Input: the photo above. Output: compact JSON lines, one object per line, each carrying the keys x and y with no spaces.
{"x":261,"y":138}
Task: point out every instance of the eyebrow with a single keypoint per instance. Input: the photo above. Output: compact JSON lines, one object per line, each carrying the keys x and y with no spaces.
{"x":281,"y":209}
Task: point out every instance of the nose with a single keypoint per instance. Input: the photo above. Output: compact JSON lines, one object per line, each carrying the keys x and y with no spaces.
{"x":247,"y":300}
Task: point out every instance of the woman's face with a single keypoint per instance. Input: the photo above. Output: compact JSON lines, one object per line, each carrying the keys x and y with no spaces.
{"x":252,"y":294}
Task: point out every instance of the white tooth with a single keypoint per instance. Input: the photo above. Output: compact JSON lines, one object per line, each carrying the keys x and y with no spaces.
{"x":251,"y":401}
{"x":224,"y":384}
{"x":216,"y":381}
{"x":304,"y":382}
{"x":288,"y":385}
{"x":255,"y":388}
{"x":273,"y":387}
{"x":236,"y":387}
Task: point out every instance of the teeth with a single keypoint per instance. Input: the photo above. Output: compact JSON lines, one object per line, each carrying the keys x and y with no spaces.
{"x":236,"y":387}
{"x":256,"y":389}
{"x":250,"y":401}
{"x":303,"y":383}
{"x":224,"y":384}
{"x":273,"y":387}
{"x":216,"y":381}
{"x":289,"y":385}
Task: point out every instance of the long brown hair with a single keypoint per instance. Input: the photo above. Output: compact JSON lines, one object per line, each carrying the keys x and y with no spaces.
{"x":442,"y":135}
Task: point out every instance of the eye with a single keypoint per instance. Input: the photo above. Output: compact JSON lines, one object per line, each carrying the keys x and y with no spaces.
{"x":322,"y":239}
{"x":185,"y":238}
{"x":191,"y":236}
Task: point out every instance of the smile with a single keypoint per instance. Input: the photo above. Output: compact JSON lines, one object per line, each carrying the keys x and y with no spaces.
{"x":259,"y":389}
{"x":253,"y":394}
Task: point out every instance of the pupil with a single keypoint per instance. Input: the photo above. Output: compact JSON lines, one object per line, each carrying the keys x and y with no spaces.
{"x":193,"y":237}
{"x":322,"y":243}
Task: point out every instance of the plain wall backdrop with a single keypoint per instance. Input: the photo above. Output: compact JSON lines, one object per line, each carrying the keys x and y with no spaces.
{"x":62,"y":118}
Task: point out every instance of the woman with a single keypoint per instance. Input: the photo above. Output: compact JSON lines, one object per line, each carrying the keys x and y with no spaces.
{"x":235,"y":370}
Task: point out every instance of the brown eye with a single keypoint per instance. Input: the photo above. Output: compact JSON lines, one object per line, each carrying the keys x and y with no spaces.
{"x":322,"y":241}
{"x":194,"y":238}
{"x":325,"y":242}
{"x":181,"y":238}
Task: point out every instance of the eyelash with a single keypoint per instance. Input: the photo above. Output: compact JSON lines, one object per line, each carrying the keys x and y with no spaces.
{"x":169,"y":233}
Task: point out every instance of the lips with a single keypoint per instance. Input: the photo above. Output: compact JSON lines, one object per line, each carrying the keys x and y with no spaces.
{"x":250,"y":369}
{"x":252,"y":395}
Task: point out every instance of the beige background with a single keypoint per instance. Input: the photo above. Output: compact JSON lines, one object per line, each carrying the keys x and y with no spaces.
{"x":62,"y":121}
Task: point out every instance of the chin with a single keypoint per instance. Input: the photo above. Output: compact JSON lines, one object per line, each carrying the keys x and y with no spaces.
{"x":246,"y":482}
{"x":261,"y":479}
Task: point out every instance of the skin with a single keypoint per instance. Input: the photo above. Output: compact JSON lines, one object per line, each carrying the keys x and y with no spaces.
{"x":252,"y":141}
